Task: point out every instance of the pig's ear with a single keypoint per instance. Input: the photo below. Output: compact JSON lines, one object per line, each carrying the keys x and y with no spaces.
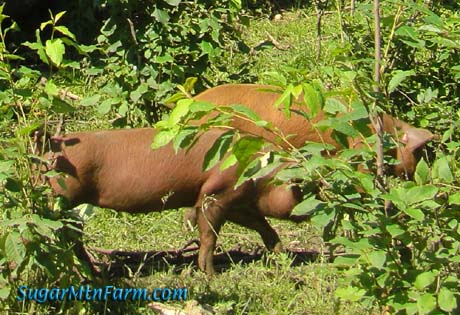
{"x":414,"y":138}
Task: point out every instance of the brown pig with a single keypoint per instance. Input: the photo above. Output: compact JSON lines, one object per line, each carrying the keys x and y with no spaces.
{"x":261,"y":99}
{"x":119,"y":170}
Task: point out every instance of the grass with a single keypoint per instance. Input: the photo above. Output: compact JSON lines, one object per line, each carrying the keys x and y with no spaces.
{"x":296,"y":55}
{"x":272,"y":285}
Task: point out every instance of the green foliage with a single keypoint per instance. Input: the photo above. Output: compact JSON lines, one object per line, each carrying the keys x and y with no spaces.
{"x":148,"y":49}
{"x":35,"y":241}
{"x":420,"y":51}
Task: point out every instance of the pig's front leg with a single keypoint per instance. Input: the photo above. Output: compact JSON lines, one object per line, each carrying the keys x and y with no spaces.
{"x":210,"y":219}
{"x":246,"y":217}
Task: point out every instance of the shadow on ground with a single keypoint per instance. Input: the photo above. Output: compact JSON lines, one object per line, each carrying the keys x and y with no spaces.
{"x":117,"y":263}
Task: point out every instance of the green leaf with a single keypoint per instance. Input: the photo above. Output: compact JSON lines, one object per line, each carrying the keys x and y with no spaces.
{"x":307,"y":207}
{"x":397,"y":78}
{"x":185,"y":137}
{"x":410,"y":308}
{"x":60,"y":106}
{"x":180,"y":110}
{"x":350,"y":293}
{"x":65,"y":31}
{"x":382,"y":280}
{"x":209,"y":49}
{"x":123,"y":109}
{"x":296,"y":91}
{"x":446,"y":300}
{"x":13,"y":57}
{"x":55,"y":50}
{"x":333,"y":105}
{"x":51,"y":88}
{"x":200,"y":106}
{"x":166,"y":58}
{"x":13,"y":185}
{"x":424,"y":279}
{"x":51,"y":224}
{"x":407,"y":31}
{"x":14,"y":248}
{"x":395,"y":230}
{"x":58,"y":16}
{"x":454,"y":199}
{"x":431,"y":28}
{"x":90,"y":100}
{"x":422,"y":172}
{"x":190,"y":84}
{"x":323,"y":218}
{"x":228,"y":162}
{"x":174,"y":98}
{"x":414,"y":213}
{"x":313,"y":99}
{"x":418,"y":194}
{"x":426,"y":304}
{"x":349,"y":260}
{"x":397,"y":196}
{"x":138,"y":92}
{"x":105,"y":106}
{"x":236,"y":5}
{"x":173,"y":3}
{"x":285,"y":99}
{"x":377,"y":258}
{"x":163,"y":137}
{"x":259,"y":167}
{"x":344,"y":127}
{"x":6,"y":169}
{"x":44,"y":24}
{"x":161,"y":16}
{"x":241,"y":109}
{"x":245,"y":148}
{"x":359,"y":112}
{"x":38,"y":46}
{"x":441,"y":170}
{"x":218,"y":149}
{"x":5,"y":292}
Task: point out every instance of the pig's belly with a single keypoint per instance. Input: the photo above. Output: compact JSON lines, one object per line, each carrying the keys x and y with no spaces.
{"x":142,"y":200}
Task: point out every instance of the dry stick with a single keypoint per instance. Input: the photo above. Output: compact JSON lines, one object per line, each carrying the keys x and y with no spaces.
{"x":133,"y":35}
{"x":272,"y":41}
{"x":63,"y":93}
{"x":375,"y":116}
{"x":277,"y":44}
{"x":59,"y":126}
{"x":392,"y":34}
{"x":319,"y":15}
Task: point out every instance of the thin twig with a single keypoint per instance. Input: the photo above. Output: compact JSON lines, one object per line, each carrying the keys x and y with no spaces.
{"x":376,"y":116}
{"x":277,"y":44}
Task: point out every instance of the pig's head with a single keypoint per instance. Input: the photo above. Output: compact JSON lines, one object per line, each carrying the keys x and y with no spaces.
{"x":277,"y":201}
{"x":409,"y":144}
{"x":409,"y":150}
